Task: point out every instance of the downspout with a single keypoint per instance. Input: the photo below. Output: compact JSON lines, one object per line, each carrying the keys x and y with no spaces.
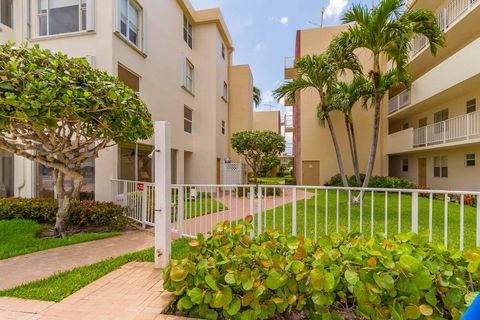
{"x":22,"y":175}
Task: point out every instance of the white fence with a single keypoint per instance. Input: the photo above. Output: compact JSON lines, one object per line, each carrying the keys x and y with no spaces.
{"x":234,"y":173}
{"x":446,"y":16}
{"x":447,"y":217}
{"x":460,"y":128}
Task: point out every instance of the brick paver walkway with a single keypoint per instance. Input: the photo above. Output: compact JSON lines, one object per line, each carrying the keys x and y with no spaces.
{"x":30,"y":267}
{"x":132,"y":292}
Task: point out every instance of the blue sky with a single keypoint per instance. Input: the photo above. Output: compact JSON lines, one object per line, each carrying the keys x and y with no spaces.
{"x":263,"y":32}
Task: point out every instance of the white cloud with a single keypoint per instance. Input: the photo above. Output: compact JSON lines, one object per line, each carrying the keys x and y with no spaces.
{"x":259,"y":47}
{"x":335,"y":8}
{"x":281,"y":20}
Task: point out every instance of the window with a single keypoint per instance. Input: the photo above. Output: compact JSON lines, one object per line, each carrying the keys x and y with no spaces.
{"x":6,"y":174}
{"x":187,"y":32}
{"x":225,"y":91}
{"x":187,"y":119}
{"x":61,"y":16}
{"x":471,"y":106}
{"x":470,"y":160}
{"x":135,"y":162}
{"x":129,"y":20}
{"x":440,"y":167}
{"x":223,"y":51}
{"x":405,"y":165}
{"x":405,"y":126}
{"x":189,"y":75}
{"x":130,"y":79}
{"x":440,"y":116}
{"x":6,"y":12}
{"x":223,"y":127}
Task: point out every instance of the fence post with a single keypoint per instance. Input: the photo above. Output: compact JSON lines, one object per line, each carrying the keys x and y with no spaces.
{"x":252,"y":209}
{"x":259,"y":209}
{"x":294,"y":211}
{"x":180,"y":206}
{"x":478,"y":221}
{"x":144,"y":207}
{"x":163,"y":223}
{"x":415,"y":212}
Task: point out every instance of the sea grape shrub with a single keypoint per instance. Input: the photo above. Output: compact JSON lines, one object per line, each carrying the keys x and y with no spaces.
{"x":231,"y":275}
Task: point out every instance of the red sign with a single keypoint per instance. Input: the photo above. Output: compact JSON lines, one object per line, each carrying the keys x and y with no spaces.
{"x":140,"y":186}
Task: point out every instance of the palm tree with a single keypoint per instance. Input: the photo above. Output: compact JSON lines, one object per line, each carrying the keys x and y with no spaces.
{"x":257,"y":96}
{"x":343,"y":98}
{"x":320,"y":73}
{"x":386,"y":31}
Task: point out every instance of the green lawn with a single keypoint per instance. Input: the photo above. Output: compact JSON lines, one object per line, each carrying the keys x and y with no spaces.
{"x":61,"y":285}
{"x":317,"y":214}
{"x":271,"y":181}
{"x":203,"y":205}
{"x":18,"y":237}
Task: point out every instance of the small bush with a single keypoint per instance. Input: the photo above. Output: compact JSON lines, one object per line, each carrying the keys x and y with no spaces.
{"x":277,"y":276}
{"x":81,"y":214}
{"x":97,"y":214}
{"x":290,"y":181}
{"x":375,"y":182}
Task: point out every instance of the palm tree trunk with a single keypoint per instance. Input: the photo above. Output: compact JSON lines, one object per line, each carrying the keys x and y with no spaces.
{"x":341,"y":167}
{"x":356,"y":166}
{"x":352,"y":150}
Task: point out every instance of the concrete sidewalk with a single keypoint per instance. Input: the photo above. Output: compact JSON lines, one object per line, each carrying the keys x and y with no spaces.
{"x":39,"y":265}
{"x":134,"y":291}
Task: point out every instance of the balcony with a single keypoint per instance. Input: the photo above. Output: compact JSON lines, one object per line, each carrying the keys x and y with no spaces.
{"x":290,"y":70}
{"x":398,"y":102}
{"x":288,"y":150}
{"x":460,"y":129}
{"x":288,"y":122}
{"x":447,"y":16}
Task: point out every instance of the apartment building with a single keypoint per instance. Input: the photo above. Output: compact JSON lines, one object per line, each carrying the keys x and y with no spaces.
{"x":434,"y":128}
{"x":177,"y":58}
{"x":313,"y":152}
{"x":267,"y":120}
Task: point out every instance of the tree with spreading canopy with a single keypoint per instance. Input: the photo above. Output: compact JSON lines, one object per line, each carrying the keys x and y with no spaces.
{"x":60,"y":112}
{"x":261,"y":149}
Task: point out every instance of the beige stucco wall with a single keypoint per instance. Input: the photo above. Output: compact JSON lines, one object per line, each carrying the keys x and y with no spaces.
{"x":267,"y":120}
{"x":316,"y":142}
{"x":241,"y":103}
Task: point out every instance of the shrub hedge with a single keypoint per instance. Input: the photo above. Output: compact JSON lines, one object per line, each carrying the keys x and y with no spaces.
{"x":81,"y":214}
{"x":375,"y":182}
{"x":277,"y":276}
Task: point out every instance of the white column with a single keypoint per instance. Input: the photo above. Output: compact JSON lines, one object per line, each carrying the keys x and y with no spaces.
{"x":163,"y":226}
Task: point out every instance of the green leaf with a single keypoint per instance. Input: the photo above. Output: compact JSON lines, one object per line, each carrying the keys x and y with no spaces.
{"x":196,"y":295}
{"x":422,"y":280}
{"x":210,"y":281}
{"x":351,"y":277}
{"x":317,"y":279}
{"x":234,"y":307}
{"x":230,"y":278}
{"x":273,"y":280}
{"x":426,"y":310}
{"x":178,"y":274}
{"x":409,"y":263}
{"x":297,"y":266}
{"x":329,"y":282}
{"x":185,"y":303}
{"x":412,"y":312}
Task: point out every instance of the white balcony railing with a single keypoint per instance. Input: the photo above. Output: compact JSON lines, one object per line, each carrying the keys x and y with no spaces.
{"x":288,"y":121}
{"x":399,"y":101}
{"x":460,"y":128}
{"x":447,"y":15}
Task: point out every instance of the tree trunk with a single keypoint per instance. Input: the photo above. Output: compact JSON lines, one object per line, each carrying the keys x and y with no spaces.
{"x":352,"y":150}
{"x":376,"y":125}
{"x":63,"y":199}
{"x":356,"y":165}
{"x":337,"y":149}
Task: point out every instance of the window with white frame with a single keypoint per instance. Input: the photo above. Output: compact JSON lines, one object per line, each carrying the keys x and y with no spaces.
{"x":187,"y":119}
{"x":224,"y":129}
{"x":61,"y":16}
{"x":471,"y":106}
{"x":6,"y":12}
{"x":189,"y":75}
{"x":440,"y":167}
{"x":130,"y":20}
{"x":225,"y":91}
{"x":470,"y":160}
{"x":405,"y":165}
{"x":187,"y":32}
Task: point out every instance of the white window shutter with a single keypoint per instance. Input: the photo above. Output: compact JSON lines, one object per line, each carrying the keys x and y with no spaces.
{"x":183,"y":69}
{"x":91,"y":15}
{"x":144,"y":31}
{"x":27,"y":26}
{"x":116,"y":15}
